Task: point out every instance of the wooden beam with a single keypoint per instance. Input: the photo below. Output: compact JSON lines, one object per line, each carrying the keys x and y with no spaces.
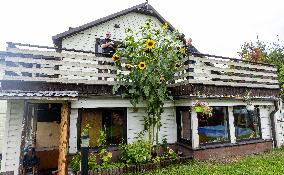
{"x":64,"y":139}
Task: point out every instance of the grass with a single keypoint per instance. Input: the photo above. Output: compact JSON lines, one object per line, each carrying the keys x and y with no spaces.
{"x":271,"y":163}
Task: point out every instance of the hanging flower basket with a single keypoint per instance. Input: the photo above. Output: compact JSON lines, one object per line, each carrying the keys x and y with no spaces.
{"x":199,"y":109}
{"x":203,"y":108}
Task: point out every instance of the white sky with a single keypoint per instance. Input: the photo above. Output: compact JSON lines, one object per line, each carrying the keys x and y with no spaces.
{"x":216,"y":26}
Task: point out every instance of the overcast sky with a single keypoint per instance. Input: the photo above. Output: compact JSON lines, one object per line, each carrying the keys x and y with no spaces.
{"x":216,"y":26}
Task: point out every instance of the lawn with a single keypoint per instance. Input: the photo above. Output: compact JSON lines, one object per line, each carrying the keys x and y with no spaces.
{"x":266,"y":164}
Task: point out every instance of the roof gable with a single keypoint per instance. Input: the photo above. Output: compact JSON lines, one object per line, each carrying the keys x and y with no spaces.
{"x":143,"y":8}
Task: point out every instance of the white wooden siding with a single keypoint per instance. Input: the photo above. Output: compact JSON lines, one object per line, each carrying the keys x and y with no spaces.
{"x":86,"y":40}
{"x":73,"y":131}
{"x":3,"y":109}
{"x":279,"y":120}
{"x":135,"y":124}
{"x":265,"y":123}
{"x":12,"y":136}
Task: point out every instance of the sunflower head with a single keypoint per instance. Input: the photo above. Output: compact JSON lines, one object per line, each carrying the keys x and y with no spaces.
{"x":182,"y":50}
{"x":150,"y":43}
{"x":128,"y":66}
{"x":115,"y":58}
{"x":165,"y":26}
{"x":142,"y":65}
{"x":178,"y":65}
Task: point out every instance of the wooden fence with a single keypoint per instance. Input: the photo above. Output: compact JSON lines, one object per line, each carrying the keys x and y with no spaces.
{"x":138,"y":168}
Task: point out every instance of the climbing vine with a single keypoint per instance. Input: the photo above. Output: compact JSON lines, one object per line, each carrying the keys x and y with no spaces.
{"x":147,"y":62}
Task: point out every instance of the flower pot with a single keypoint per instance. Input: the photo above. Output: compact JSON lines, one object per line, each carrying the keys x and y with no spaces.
{"x":199,"y":109}
{"x":250,"y":107}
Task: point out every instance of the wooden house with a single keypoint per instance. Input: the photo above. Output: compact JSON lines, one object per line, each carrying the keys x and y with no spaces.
{"x":52,"y":92}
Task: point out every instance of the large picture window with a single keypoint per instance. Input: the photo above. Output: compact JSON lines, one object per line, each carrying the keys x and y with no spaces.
{"x":215,"y":128}
{"x":112,"y":121}
{"x":246,"y":123}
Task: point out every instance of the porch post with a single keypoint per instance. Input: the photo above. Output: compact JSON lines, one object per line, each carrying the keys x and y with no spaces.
{"x":23,"y":135}
{"x":231,"y":124}
{"x":194,"y":127}
{"x":64,"y":139}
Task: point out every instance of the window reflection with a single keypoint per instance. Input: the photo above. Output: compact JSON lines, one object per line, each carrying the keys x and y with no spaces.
{"x":213,"y":128}
{"x":246,"y":123}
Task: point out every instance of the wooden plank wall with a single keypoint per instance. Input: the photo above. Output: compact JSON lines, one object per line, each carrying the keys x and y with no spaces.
{"x":135,"y":124}
{"x":265,"y":123}
{"x":64,"y":139}
{"x":73,"y":131}
{"x":3,"y":110}
{"x":12,"y":136}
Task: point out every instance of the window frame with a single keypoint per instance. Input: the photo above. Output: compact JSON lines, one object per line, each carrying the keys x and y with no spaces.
{"x":259,"y":125}
{"x":79,"y":122}
{"x":228,"y":129}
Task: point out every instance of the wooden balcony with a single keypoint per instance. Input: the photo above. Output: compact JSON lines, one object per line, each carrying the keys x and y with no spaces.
{"x":68,"y":67}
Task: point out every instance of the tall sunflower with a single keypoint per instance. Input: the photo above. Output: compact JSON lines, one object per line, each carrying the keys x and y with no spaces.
{"x":142,"y":65}
{"x":150,"y":43}
{"x":115,"y":57}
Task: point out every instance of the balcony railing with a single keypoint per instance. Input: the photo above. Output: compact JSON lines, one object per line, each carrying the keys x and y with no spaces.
{"x":89,"y":68}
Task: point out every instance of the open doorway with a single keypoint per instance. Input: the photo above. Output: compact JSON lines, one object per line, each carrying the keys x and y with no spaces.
{"x":43,"y":133}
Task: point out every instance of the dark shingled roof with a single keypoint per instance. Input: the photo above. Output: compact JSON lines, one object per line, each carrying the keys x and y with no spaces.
{"x":141,"y":8}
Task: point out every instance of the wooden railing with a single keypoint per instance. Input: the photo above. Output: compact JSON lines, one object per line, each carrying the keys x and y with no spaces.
{"x":90,"y":68}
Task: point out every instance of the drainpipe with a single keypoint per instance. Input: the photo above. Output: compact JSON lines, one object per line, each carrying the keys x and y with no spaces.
{"x":273,"y":124}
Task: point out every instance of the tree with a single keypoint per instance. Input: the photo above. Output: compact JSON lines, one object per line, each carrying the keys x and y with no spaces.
{"x":272,"y":53}
{"x":147,"y":62}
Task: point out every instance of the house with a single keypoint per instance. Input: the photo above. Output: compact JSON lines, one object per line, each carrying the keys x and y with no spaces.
{"x":53,"y":92}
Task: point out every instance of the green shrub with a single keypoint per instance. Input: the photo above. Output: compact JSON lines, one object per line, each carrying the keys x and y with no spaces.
{"x":136,"y":153}
{"x":75,"y":162}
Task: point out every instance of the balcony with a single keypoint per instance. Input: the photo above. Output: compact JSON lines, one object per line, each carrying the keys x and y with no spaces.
{"x":39,"y":64}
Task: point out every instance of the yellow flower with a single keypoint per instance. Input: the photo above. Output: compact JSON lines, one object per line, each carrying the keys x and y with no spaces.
{"x":115,"y":57}
{"x":142,"y":65}
{"x":178,"y":65}
{"x":182,"y":50}
{"x":150,"y":43}
{"x":128,"y":66}
{"x":165,"y":26}
{"x":109,"y":154}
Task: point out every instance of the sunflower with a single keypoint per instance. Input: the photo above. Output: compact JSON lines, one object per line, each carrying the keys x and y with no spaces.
{"x":178,"y":65}
{"x":165,"y":26}
{"x":142,"y":65}
{"x":128,"y":66}
{"x":182,"y":50}
{"x":150,"y":43}
{"x":115,"y":57}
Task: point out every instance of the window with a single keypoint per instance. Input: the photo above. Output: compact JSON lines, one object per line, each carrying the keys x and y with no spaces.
{"x":215,"y":128}
{"x":246,"y":123}
{"x":112,"y":121}
{"x":184,"y":124}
